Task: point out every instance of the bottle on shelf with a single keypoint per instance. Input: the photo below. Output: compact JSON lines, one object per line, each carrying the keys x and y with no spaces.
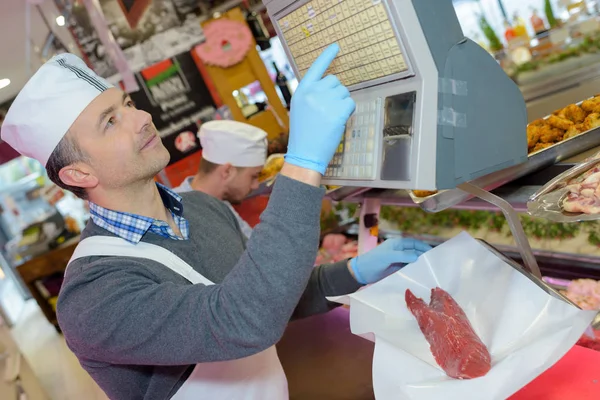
{"x":519,"y":27}
{"x":537,"y":23}
{"x":509,"y":32}
{"x":259,"y":31}
{"x":282,"y":83}
{"x":550,"y":14}
{"x":494,"y":42}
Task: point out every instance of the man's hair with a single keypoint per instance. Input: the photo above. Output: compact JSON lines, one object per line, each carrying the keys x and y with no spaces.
{"x":207,"y":167}
{"x":67,"y":152}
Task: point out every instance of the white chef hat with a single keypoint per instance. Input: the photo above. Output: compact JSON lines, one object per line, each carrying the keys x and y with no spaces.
{"x":48,"y":105}
{"x":232,"y":142}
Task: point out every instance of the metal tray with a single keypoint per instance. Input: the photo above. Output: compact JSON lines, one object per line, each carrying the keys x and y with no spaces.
{"x":540,"y":282}
{"x":536,"y":161}
{"x":547,"y":202}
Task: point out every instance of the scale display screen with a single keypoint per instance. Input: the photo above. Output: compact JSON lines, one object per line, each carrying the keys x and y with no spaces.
{"x":369,"y":48}
{"x":398,"y":115}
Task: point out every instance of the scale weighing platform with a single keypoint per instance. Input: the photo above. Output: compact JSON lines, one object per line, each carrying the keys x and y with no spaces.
{"x":434,"y":109}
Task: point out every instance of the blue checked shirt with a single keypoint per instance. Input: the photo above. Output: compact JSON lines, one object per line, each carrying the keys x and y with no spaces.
{"x":132,"y":227}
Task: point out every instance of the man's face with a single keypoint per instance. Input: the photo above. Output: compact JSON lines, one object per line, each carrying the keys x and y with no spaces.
{"x":121,"y":142}
{"x":242,"y":182}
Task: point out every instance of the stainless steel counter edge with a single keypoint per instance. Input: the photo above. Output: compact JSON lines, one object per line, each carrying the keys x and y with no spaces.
{"x":513,"y":184}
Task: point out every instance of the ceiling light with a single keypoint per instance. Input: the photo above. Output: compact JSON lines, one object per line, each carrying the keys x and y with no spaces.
{"x":4,"y":83}
{"x":60,"y":20}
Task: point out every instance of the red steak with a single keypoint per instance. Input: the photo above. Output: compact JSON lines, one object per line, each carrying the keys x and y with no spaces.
{"x":452,"y":340}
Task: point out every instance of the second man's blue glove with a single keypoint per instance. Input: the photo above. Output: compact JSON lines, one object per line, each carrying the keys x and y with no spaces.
{"x":318,"y":114}
{"x":386,"y":259}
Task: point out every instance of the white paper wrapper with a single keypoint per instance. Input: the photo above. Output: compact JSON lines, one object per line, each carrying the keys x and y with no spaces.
{"x":525,"y":328}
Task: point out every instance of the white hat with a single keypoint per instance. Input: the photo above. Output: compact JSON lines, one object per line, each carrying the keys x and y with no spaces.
{"x":48,"y":105}
{"x":232,"y":142}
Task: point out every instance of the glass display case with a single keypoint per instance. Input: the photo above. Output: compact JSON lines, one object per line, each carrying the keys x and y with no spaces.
{"x":24,"y":233}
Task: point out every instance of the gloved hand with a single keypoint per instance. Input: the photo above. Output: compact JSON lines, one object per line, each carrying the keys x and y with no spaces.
{"x":318,"y":114}
{"x":387,"y":258}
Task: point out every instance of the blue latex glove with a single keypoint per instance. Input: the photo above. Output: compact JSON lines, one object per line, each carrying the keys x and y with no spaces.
{"x":318,"y":114}
{"x":387,"y":258}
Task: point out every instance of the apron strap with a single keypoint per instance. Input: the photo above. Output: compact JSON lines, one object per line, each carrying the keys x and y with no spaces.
{"x":115,"y":246}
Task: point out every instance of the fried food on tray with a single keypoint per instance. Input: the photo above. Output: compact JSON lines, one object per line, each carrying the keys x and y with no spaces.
{"x":533,"y":136}
{"x":549,"y":134}
{"x":574,"y":131}
{"x":537,"y":122}
{"x":542,"y":146}
{"x":423,"y":193}
{"x":563,"y":124}
{"x":590,"y":105}
{"x":560,"y":123}
{"x":573,"y":113}
{"x":592,"y":121}
{"x":271,"y":168}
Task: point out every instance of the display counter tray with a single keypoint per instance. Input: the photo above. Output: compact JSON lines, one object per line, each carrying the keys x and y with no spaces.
{"x":560,"y":151}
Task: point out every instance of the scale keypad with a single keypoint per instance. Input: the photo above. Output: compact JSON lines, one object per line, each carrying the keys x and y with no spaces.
{"x":355,"y":156}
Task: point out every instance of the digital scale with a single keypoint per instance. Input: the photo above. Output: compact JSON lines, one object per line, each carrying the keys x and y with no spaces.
{"x":433,"y":109}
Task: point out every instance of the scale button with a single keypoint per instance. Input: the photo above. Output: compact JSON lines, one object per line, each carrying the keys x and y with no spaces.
{"x":370,"y":145}
{"x":369,"y":158}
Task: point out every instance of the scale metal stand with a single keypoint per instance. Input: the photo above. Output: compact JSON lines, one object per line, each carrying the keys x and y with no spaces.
{"x":370,"y":208}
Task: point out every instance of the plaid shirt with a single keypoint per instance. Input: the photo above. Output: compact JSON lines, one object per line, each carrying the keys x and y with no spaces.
{"x":132,"y":227}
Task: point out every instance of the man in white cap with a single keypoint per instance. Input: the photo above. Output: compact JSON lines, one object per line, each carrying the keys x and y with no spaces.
{"x":159,"y":302}
{"x":233,"y":155}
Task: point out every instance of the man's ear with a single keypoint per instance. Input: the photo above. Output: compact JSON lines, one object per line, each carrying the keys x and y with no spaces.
{"x":78,"y":175}
{"x":227,"y":171}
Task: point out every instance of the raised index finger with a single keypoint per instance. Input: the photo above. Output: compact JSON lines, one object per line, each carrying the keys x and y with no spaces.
{"x":318,"y":68}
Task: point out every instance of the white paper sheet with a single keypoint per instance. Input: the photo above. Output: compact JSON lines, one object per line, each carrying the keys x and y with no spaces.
{"x":525,"y":329}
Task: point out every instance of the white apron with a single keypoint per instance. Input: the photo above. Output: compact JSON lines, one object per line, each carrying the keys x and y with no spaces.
{"x":257,"y":377}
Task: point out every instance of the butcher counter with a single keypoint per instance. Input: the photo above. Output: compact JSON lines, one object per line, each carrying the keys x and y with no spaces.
{"x":324,"y":360}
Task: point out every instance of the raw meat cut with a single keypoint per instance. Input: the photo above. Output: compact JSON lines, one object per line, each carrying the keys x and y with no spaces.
{"x":452,"y":340}
{"x":585,"y":293}
{"x":584,"y":193}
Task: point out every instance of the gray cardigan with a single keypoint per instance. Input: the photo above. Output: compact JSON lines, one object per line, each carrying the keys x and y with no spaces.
{"x":138,"y":328}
